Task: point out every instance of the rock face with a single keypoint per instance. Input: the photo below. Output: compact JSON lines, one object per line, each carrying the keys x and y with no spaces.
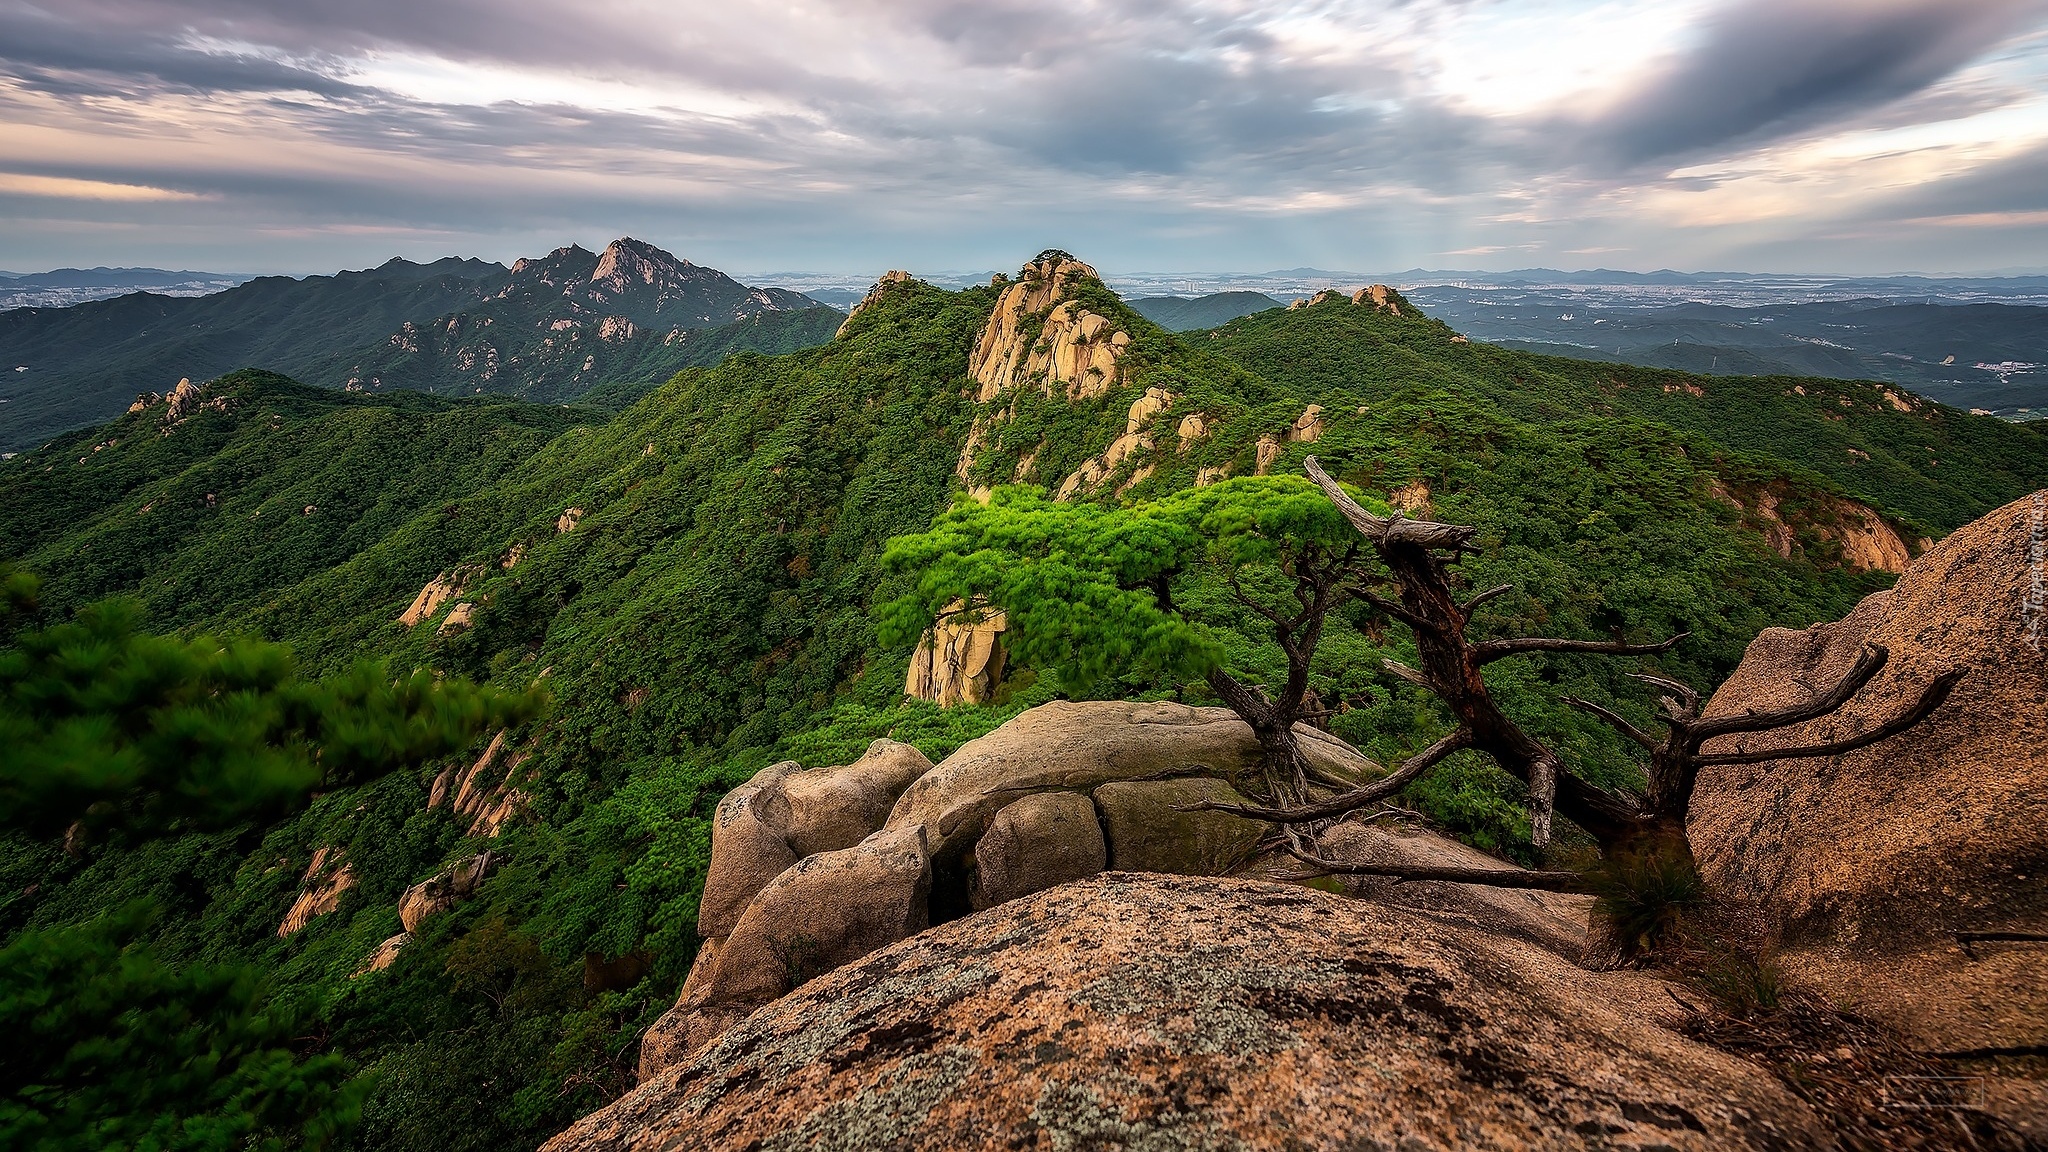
{"x":184,"y":401}
{"x":1306,"y":429}
{"x":1147,"y":1012}
{"x":1058,"y":793}
{"x":822,"y":913}
{"x":439,"y":893}
{"x":1868,"y":544}
{"x":959,"y":661}
{"x":320,"y":890}
{"x":1036,"y":843}
{"x":385,"y":956}
{"x":1148,"y":832}
{"x":1136,"y":438}
{"x":1036,"y":335}
{"x":1876,"y":866}
{"x":1039,"y":336}
{"x":1379,"y":297}
{"x":783,"y":814}
{"x":486,"y":795}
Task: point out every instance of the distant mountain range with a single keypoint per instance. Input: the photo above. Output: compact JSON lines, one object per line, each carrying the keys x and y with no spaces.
{"x":1180,"y":314}
{"x":1985,"y":357}
{"x":67,"y":286}
{"x":548,"y":329}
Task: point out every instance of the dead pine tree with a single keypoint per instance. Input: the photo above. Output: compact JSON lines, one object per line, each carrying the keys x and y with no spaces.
{"x":1627,"y":826}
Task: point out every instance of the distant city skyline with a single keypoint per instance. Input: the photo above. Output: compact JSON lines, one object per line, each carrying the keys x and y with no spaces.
{"x":1147,"y":136}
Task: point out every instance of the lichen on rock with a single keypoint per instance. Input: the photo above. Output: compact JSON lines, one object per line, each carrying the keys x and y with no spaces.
{"x":1157,"y":1012}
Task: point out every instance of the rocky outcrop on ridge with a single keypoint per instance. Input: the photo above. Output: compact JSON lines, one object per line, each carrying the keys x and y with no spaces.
{"x":1037,"y":335}
{"x":1136,"y":438}
{"x":1306,"y":429}
{"x":1155,"y":1012}
{"x":812,"y":870}
{"x":433,"y":594}
{"x":327,"y":877}
{"x":1909,"y":878}
{"x":887,"y":283}
{"x":487,"y":794}
{"x":1378,"y":297}
{"x":444,"y":890}
{"x":1867,"y":542}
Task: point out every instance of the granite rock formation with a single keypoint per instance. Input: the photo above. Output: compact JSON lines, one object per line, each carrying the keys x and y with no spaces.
{"x":1883,"y":869}
{"x":1143,"y":1011}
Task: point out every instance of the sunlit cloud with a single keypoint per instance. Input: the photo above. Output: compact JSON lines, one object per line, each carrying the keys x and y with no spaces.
{"x":66,"y":188}
{"x":862,"y":134}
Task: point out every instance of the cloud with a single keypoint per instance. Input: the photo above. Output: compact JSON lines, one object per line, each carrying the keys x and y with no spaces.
{"x":66,"y":188}
{"x":1769,"y":68}
{"x":1261,"y":132}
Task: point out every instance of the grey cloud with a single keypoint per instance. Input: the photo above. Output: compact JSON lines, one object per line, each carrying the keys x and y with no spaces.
{"x":1773,"y":67}
{"x":69,"y":57}
{"x":1039,"y":121}
{"x":1778,"y":66}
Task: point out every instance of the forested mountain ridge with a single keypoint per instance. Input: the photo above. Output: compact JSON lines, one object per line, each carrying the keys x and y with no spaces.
{"x":694,"y":578}
{"x":546,"y":329}
{"x":1912,"y":457}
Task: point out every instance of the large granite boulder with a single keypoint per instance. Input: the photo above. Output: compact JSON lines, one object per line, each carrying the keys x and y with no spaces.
{"x":1078,"y":746}
{"x":1150,"y":830}
{"x":1152,"y":1012}
{"x":1056,"y":794}
{"x":784,"y":814}
{"x":1036,"y":843}
{"x":826,"y":911}
{"x":1554,"y":921}
{"x":1881,"y":870}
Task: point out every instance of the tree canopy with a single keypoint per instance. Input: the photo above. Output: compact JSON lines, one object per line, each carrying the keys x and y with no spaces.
{"x":112,"y":1045}
{"x":108,"y":724}
{"x":1091,"y":591}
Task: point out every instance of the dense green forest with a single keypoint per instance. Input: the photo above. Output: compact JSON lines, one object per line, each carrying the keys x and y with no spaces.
{"x":693,"y":579}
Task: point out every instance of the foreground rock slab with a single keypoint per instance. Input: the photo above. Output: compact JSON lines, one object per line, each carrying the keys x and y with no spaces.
{"x":1144,"y":1011}
{"x":1906,"y":878}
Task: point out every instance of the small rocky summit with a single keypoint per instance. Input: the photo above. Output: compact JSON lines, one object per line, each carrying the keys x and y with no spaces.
{"x":1157,"y":1012}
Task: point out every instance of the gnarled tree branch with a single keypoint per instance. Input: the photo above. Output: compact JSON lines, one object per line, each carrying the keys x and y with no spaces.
{"x":1350,"y":801}
{"x":1869,"y":663}
{"x":1616,"y":722}
{"x":1492,"y":877}
{"x":1488,"y":651}
{"x":1932,"y":697}
{"x":1383,"y":530}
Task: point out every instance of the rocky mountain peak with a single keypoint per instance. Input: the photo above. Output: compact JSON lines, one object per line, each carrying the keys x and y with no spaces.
{"x":1037,"y":333}
{"x":627,"y":262}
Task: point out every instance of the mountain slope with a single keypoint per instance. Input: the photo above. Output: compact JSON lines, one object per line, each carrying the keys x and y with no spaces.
{"x":545,"y":329}
{"x":694,"y":575}
{"x":248,"y":488}
{"x":87,"y":362}
{"x":1185,"y":314}
{"x":1904,"y":454}
{"x":1984,"y":355}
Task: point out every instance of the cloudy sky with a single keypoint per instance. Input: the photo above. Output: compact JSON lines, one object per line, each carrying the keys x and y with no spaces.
{"x":1158,"y":135}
